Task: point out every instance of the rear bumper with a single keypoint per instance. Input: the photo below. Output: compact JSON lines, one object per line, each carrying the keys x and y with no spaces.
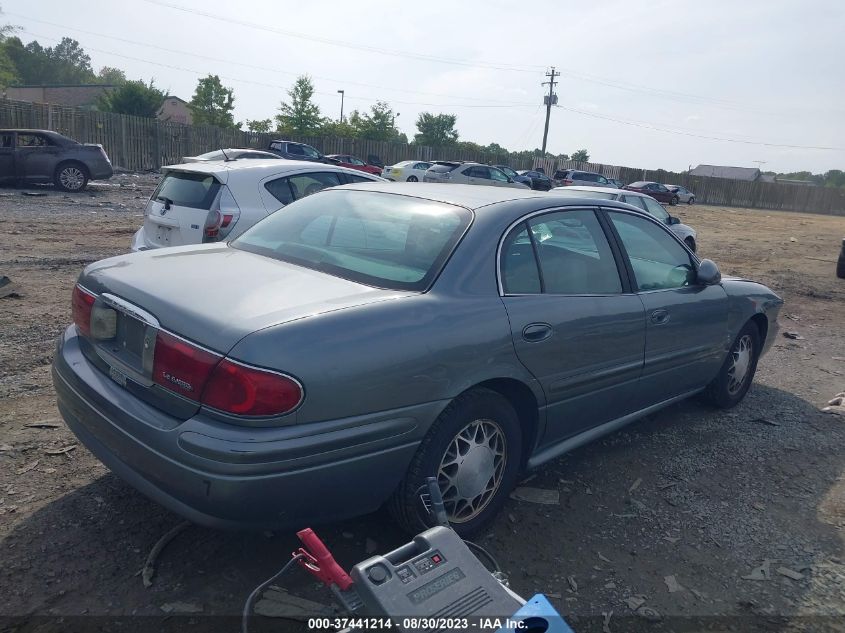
{"x":233,"y":477}
{"x":100,"y":170}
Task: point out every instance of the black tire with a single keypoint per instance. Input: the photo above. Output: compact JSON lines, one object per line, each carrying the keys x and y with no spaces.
{"x":486,"y":409}
{"x":412,"y":179}
{"x":690,"y":242}
{"x":71,"y":176}
{"x":675,"y":200}
{"x":723,"y":391}
{"x":691,"y":200}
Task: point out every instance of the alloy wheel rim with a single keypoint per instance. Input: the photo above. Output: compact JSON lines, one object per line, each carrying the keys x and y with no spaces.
{"x":740,"y":364}
{"x":71,"y":178}
{"x":472,"y":469}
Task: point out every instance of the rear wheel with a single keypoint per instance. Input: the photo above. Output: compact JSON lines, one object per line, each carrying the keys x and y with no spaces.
{"x":473,"y":449}
{"x":674,"y":201}
{"x":691,"y":200}
{"x":412,"y":179}
{"x":71,"y":177}
{"x":731,"y":384}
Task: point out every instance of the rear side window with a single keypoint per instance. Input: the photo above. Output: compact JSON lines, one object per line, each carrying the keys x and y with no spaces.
{"x":354,"y":178}
{"x":187,"y":189}
{"x":380,"y":239}
{"x":33,"y":140}
{"x":277,"y":146}
{"x":293,"y":148}
{"x":574,"y":255}
{"x":291,"y":188}
{"x":559,"y":253}
{"x":422,"y":165}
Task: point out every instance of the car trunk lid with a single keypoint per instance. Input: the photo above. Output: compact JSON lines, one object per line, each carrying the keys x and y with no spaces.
{"x":211,"y":296}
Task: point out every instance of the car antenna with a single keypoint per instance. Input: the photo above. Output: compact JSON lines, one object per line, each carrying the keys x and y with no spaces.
{"x":225,"y":155}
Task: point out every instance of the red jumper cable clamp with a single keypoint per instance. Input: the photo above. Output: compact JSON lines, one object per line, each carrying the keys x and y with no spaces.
{"x":317,"y":560}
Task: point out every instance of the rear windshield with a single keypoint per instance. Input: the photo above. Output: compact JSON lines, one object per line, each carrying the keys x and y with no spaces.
{"x":443,"y":168}
{"x":187,"y":189}
{"x":379,"y":239}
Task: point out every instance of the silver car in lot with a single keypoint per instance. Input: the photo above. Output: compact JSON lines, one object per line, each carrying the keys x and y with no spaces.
{"x":648,"y":204}
{"x":468,"y":173}
{"x":684,"y":194}
{"x":337,"y":353}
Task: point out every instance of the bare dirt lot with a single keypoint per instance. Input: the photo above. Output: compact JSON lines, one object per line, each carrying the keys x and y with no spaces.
{"x":714,"y":520}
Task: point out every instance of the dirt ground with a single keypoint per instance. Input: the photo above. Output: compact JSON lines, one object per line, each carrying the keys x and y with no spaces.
{"x":680,"y":512}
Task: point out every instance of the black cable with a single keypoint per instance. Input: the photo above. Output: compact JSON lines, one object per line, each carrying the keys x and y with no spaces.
{"x":260,"y":588}
{"x":486,"y":554}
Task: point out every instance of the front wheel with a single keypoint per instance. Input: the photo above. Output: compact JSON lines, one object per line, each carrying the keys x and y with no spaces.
{"x":71,"y":177}
{"x":674,"y":200}
{"x":691,"y":200}
{"x":732,"y":382}
{"x":412,"y":179}
{"x":473,"y":449}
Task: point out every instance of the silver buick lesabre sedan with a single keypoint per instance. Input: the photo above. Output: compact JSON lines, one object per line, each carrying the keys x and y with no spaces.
{"x":330,"y":358}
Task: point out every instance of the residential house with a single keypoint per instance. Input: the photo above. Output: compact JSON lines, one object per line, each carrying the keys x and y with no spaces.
{"x":77,"y":95}
{"x":747,"y":174}
{"x":174,"y":109}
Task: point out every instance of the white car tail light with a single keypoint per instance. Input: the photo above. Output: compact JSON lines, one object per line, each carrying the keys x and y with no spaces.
{"x":222,"y":217}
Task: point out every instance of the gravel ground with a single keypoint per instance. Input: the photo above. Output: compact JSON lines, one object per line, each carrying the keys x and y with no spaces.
{"x":711,"y":520}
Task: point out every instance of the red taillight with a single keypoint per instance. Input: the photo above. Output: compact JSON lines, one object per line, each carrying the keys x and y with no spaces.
{"x":182,"y":367}
{"x":82,"y":303}
{"x":243,"y":390}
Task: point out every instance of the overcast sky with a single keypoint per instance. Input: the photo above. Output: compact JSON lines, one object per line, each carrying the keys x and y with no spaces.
{"x":765,"y":71}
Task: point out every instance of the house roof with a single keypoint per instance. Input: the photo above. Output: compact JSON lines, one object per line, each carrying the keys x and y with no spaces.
{"x":731,"y":173}
{"x":173,"y":97}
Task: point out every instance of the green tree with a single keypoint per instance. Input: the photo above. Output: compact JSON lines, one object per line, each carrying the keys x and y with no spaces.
{"x":834,"y":178}
{"x":8,"y":72}
{"x":113,"y":76}
{"x":582,"y":156}
{"x":338,"y":129}
{"x":213,"y":103}
{"x":261,"y":125}
{"x":375,"y":125}
{"x":66,"y":62}
{"x":301,"y":115}
{"x":133,"y":97}
{"x":436,"y":129}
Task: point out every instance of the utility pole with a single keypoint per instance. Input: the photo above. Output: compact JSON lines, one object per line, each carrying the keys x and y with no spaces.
{"x":550,"y":100}
{"x":342,"y":93}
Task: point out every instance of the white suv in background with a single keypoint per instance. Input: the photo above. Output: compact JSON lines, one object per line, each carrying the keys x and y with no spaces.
{"x":466,"y":173}
{"x":217,"y":201}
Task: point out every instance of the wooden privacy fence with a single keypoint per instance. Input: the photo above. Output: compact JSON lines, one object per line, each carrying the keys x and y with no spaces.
{"x":139,"y":144}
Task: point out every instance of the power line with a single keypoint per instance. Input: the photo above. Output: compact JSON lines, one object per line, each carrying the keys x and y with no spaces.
{"x":533,"y":69}
{"x":253,"y":66}
{"x":285,"y":88}
{"x":641,"y":124}
{"x":650,"y":126}
{"x":353,"y":45}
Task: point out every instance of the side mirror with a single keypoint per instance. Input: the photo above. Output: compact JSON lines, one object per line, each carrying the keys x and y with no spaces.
{"x":708,"y":273}
{"x":673,"y":220}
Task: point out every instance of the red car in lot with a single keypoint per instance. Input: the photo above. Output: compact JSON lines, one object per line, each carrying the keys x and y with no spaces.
{"x":353,"y":162}
{"x":654,"y":189}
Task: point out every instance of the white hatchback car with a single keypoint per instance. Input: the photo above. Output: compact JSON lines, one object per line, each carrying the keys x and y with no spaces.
{"x":639,"y":200}
{"x":216,"y":201}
